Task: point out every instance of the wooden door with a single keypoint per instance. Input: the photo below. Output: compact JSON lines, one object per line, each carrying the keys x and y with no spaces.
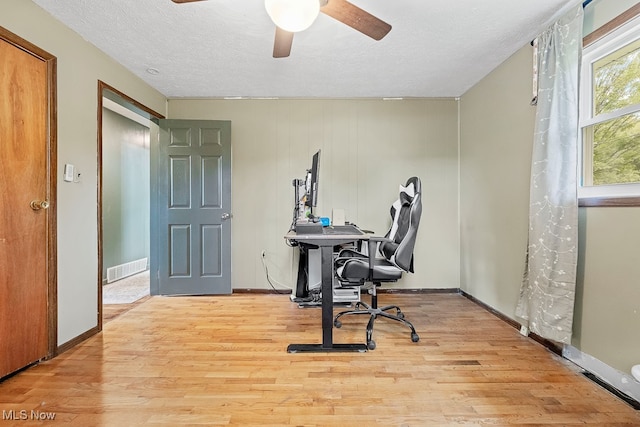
{"x":193,"y":205}
{"x":26,"y":215}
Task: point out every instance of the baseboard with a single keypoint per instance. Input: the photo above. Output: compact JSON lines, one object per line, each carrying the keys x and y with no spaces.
{"x":549,"y":344}
{"x":380,"y":291}
{"x":622,"y":385}
{"x":77,"y":340}
{"x":261,"y":291}
{"x":14,"y":373}
{"x":418,"y":291}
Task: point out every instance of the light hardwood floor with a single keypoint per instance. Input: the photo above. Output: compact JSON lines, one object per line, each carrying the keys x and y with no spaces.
{"x":179,"y":361}
{"x":111,"y":311}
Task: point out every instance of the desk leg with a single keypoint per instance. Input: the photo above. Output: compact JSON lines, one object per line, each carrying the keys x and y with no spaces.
{"x":301,"y":283}
{"x":326,"y":260}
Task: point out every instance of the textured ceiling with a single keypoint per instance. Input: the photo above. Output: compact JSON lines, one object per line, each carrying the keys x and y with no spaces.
{"x":223,"y":48}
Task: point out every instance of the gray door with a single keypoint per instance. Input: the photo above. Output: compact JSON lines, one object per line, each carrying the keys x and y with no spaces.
{"x":191,"y":208}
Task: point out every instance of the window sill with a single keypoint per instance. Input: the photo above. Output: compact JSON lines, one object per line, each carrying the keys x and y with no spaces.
{"x":588,"y":202}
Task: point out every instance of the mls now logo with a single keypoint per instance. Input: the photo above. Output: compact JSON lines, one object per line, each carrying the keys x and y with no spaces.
{"x":28,"y":415}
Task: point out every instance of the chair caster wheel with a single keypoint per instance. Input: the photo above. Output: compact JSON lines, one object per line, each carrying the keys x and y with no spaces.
{"x":415,"y":337}
{"x":371,"y":345}
{"x":337,"y":323}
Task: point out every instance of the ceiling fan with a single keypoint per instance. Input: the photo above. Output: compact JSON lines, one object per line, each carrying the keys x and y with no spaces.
{"x":340,"y":10}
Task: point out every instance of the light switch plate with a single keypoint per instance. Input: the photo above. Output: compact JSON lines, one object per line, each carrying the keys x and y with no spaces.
{"x":69,"y":172}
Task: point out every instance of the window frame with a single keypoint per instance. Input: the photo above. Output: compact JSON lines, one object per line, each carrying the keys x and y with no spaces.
{"x":612,"y":36}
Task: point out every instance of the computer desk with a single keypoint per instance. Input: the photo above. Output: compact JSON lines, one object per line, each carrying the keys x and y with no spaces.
{"x":330,"y":237}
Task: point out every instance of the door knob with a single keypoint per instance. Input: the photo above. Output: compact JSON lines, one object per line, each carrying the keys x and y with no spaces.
{"x":226,"y":216}
{"x":36,"y":205}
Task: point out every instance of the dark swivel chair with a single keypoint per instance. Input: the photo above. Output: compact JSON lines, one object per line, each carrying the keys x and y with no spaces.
{"x":357,"y":269}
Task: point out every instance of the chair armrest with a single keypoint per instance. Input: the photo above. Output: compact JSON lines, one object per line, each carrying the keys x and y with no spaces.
{"x":372,"y":244}
{"x":380,"y":239}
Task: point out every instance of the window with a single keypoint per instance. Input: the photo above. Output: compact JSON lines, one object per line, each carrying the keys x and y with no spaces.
{"x":610,"y":115}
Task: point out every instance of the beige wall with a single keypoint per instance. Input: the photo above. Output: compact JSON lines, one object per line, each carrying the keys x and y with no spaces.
{"x":599,"y":12}
{"x":495,"y":159}
{"x":80,"y":66}
{"x":607,"y":313}
{"x":496,"y":134}
{"x":368,"y":148}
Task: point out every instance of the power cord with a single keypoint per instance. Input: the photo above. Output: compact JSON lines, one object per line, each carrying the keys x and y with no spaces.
{"x":266,"y":272}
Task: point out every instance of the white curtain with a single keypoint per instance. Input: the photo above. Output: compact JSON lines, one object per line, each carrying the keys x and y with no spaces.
{"x":547,"y":294}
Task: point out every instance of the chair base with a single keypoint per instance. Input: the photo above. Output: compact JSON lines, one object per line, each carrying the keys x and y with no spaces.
{"x":374,"y":312}
{"x":319,"y":348}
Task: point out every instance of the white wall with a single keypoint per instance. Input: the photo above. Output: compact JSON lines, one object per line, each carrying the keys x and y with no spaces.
{"x":80,"y":66}
{"x":368,"y":148}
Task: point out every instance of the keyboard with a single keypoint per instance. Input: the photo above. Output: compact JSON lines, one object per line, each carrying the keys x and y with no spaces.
{"x":342,"y":229}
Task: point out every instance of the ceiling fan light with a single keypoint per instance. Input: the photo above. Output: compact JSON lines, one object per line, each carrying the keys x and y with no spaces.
{"x":293,"y":15}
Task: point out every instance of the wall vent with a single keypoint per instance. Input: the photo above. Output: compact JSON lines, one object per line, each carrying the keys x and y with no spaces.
{"x":125,"y":270}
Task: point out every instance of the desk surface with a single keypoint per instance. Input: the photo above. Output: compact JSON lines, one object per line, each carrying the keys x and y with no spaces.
{"x":330,"y":233}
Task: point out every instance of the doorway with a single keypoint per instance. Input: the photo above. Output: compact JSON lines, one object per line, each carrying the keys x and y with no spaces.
{"x":125,"y":131}
{"x":190,"y":235}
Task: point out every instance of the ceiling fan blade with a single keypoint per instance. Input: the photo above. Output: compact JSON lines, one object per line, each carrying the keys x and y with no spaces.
{"x":184,"y":1}
{"x":356,"y":18}
{"x":282,"y":43}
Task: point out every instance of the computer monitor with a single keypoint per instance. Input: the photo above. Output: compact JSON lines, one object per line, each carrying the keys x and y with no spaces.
{"x":312,"y":182}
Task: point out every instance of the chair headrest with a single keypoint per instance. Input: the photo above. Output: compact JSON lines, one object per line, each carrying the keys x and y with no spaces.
{"x":417,"y":185}
{"x":409,"y":190}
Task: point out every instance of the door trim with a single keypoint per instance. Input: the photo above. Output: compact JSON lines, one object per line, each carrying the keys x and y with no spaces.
{"x":106,"y":90}
{"x":52,"y":162}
